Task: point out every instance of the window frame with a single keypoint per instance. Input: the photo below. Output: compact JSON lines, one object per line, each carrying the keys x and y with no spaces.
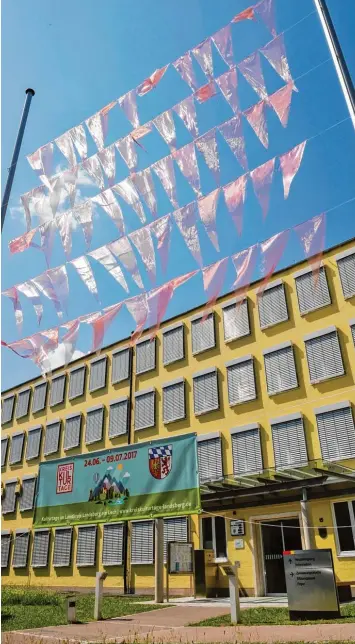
{"x":55,"y":421}
{"x":3,"y":400}
{"x":150,"y":390}
{"x":167,"y":385}
{"x":75,"y":415}
{"x":36,"y":531}
{"x":269,"y":287}
{"x":238,"y":361}
{"x":6,"y":450}
{"x":86,"y":564}
{"x":236,"y":301}
{"x":199,"y":318}
{"x":57,"y":377}
{"x":204,"y":438}
{"x":280,"y":420}
{"x":13,"y":481}
{"x":121,"y":350}
{"x":309,"y":271}
{"x":153,"y":345}
{"x":73,"y":370}
{"x":214,"y":542}
{"x":118,"y":401}
{"x":93,"y":362}
{"x":26,"y":390}
{"x":344,"y":553}
{"x":244,"y":429}
{"x":7,"y":534}
{"x":18,"y":533}
{"x":34,"y":429}
{"x":89,"y":411}
{"x":106,"y":563}
{"x":165,"y":332}
{"x":199,"y":374}
{"x":28,"y":477}
{"x":319,"y":334}
{"x":10,"y":462}
{"x":39,"y":385}
{"x":144,"y":563}
{"x":338,"y":258}
{"x":65,"y":565}
{"x":324,"y":409}
{"x":274,"y":349}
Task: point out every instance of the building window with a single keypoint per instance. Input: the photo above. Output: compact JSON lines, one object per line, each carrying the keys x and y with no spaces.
{"x":174,"y":401}
{"x":16,"y":448}
{"x":23,"y":403}
{"x":94,"y":425}
{"x":86,"y":546}
{"x":34,"y":437}
{"x":246,"y":449}
{"x":209,"y":454}
{"x":39,"y":397}
{"x":272,"y":305}
{"x":214,"y":537}
{"x":346,"y":267}
{"x":98,"y":370}
{"x":289,"y":441}
{"x":72,"y":433}
{"x":7,"y":409}
{"x":145,"y":356}
{"x":144,"y":412}
{"x":28,"y":493}
{"x":62,"y":547}
{"x":241,"y":380}
{"x":4,"y":447}
{"x":205,"y":388}
{"x":175,"y":529}
{"x":5,"y":548}
{"x":52,"y":437}
{"x":173,"y":344}
{"x":118,"y":424}
{"x":142,"y":542}
{"x":112,"y":549}
{"x":324,"y":355}
{"x":77,"y":382}
{"x":120,"y":365}
{"x":280,"y":368}
{"x":57,"y":390}
{"x":344,"y":513}
{"x":352,"y":327}
{"x":336,"y":431}
{"x":203,"y":333}
{"x":40,"y":548}
{"x":235,"y":319}
{"x":20,"y":555}
{"x":9,"y":502}
{"x":312,"y":291}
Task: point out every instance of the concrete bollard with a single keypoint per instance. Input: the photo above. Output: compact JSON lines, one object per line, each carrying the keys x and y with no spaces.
{"x":100,"y":578}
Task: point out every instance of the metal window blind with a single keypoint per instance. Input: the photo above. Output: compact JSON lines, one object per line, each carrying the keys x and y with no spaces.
{"x":23,"y":401}
{"x":9,"y":502}
{"x":19,"y":557}
{"x":98,"y":374}
{"x":324,"y":357}
{"x":16,"y":448}
{"x":173,"y":345}
{"x":86,"y":547}
{"x":272,"y":306}
{"x":236,"y":320}
{"x":336,"y":434}
{"x":57,"y":390}
{"x":62,"y":547}
{"x":94,"y":425}
{"x":77,"y":383}
{"x":28,"y":494}
{"x":241,"y":382}
{"x":353,"y":333}
{"x":118,"y":424}
{"x":203,"y":334}
{"x":33,"y":443}
{"x":209,"y":453}
{"x":144,"y":412}
{"x":40,"y":549}
{"x":120,"y":366}
{"x":289,"y":443}
{"x":5,"y":550}
{"x":145,"y":356}
{"x":51,"y":440}
{"x":346,"y":267}
{"x":246,"y":448}
{"x":280,"y":370}
{"x":174,"y":402}
{"x":312,"y":291}
{"x":112,"y":548}
{"x":72,"y":432}
{"x":4,"y":446}
{"x":39,"y":397}
{"x":7,"y":409}
{"x":142,"y":542}
{"x":205,"y":389}
{"x":175,"y":529}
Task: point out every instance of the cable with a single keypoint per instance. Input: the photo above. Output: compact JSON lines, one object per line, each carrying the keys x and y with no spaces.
{"x":275,"y":525}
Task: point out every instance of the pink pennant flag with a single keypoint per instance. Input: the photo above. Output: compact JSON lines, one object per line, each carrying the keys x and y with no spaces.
{"x":266,"y":11}
{"x":251,"y":69}
{"x":70,"y":339}
{"x":207,"y":145}
{"x":275,"y":53}
{"x":128,"y":192}
{"x":247,"y":14}
{"x":66,"y":146}
{"x":109,"y":262}
{"x":164,"y":169}
{"x":186,"y":219}
{"x":47,"y":158}
{"x":59,"y":279}
{"x":234,"y":195}
{"x":83,"y":215}
{"x":206,"y":92}
{"x":44,"y":344}
{"x":232,"y":132}
{"x":122,"y":249}
{"x":152,"y":81}
{"x":280,"y":101}
{"x":161,"y":228}
{"x":262,"y":179}
{"x":228,"y":84}
{"x":203,"y":55}
{"x":187,"y":112}
{"x":255,"y":116}
{"x":138,"y":308}
{"x":271,"y":252}
{"x":185,"y":157}
{"x":183,"y":66}
{"x":244,"y":264}
{"x":47,"y":233}
{"x":142,"y":239}
{"x":24,"y":345}
{"x":213,"y":279}
{"x":86,"y":275}
{"x":166,"y":128}
{"x":35,"y":162}
{"x":223,"y":41}
{"x":78,"y":137}
{"x":21,"y":243}
{"x":158,"y":302}
{"x":45,"y":286}
{"x":93,"y":168}
{"x":312,"y":237}
{"x":69,"y":181}
{"x":144,"y":184}
{"x":65,"y":228}
{"x":108,"y":162}
{"x":102,"y":323}
{"x":128,"y":151}
{"x":26,"y":200}
{"x":98,"y":125}
{"x":29,"y":290}
{"x":290,"y":163}
{"x":207,"y":207}
{"x":12,"y":294}
{"x":128,"y":103}
{"x":108,"y":202}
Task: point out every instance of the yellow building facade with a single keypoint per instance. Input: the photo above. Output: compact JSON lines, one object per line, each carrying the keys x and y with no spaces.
{"x":266,"y":381}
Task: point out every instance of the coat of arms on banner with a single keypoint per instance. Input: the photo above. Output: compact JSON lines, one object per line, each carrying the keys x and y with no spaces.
{"x":160,"y":461}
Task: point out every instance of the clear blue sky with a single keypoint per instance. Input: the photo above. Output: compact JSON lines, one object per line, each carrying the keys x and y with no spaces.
{"x":78,"y":56}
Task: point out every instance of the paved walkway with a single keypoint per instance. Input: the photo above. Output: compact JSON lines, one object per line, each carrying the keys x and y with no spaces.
{"x":167,"y":625}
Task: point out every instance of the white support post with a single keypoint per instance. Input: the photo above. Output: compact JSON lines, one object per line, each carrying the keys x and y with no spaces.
{"x":159,"y":560}
{"x":234,"y":594}
{"x":100,"y":577}
{"x":305,"y":521}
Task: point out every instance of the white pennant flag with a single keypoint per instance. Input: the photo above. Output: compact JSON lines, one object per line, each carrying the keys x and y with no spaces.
{"x":166,"y":128}
{"x":108,"y":202}
{"x":203,"y":55}
{"x":78,"y":136}
{"x":186,"y":219}
{"x":83,"y":215}
{"x":128,"y":151}
{"x":144,"y":184}
{"x":65,"y":228}
{"x":93,"y":168}
{"x":128,"y":192}
{"x":122,"y":249}
{"x":187,"y":112}
{"x":143,"y":242}
{"x":66,"y":146}
{"x":207,"y":145}
{"x":128,"y":103}
{"x":86,"y":275}
{"x":108,"y":162}
{"x":107,"y":259}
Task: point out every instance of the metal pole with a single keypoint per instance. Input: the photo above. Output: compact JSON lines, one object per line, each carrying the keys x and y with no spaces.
{"x":126,"y":566}
{"x":341,"y":67}
{"x":12,"y":169}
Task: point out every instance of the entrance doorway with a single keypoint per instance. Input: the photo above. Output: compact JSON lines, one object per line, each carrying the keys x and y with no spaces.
{"x":277,"y":536}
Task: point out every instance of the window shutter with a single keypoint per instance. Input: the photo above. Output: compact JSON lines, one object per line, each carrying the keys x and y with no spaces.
{"x":336,"y":433}
{"x":280,"y":370}
{"x":203,"y":334}
{"x":174,"y":401}
{"x":94,"y":425}
{"x":23,"y":402}
{"x":5,"y":549}
{"x":98,"y":374}
{"x":144,"y":415}
{"x":77,"y":382}
{"x":16,"y":448}
{"x":39,"y":397}
{"x":175,"y":529}
{"x":72,"y":432}
{"x":289,"y":443}
{"x":312,"y":292}
{"x":33,"y":443}
{"x":209,"y":454}
{"x":28,"y":494}
{"x":118,"y":424}
{"x":272,"y":306}
{"x":173,"y":345}
{"x":9,"y":503}
{"x":235,"y":320}
{"x":324,"y":357}
{"x":51,"y":440}
{"x":7,"y":409}
{"x":120,"y":365}
{"x":142,"y":542}
{"x":246,"y":448}
{"x":62,"y":547}
{"x":40,"y":548}
{"x":20,"y":555}
{"x":346,"y":266}
{"x":86,"y":547}
{"x":112,"y":548}
{"x":145,"y":356}
{"x":4,"y":446}
{"x":241,"y":380}
{"x":353,"y":333}
{"x":205,"y":387}
{"x":57,"y":390}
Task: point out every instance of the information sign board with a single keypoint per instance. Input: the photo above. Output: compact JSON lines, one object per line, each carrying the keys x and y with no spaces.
{"x":180,"y":558}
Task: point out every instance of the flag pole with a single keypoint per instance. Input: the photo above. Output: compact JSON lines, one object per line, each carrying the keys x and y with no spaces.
{"x":12,"y":169}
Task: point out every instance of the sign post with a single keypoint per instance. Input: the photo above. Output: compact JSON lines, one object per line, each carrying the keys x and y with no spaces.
{"x":159,"y":561}
{"x":180,"y":561}
{"x":232,"y":574}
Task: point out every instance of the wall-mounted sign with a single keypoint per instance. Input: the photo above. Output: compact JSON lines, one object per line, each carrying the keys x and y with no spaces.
{"x":239,"y":544}
{"x":180,"y":558}
{"x":237,"y":527}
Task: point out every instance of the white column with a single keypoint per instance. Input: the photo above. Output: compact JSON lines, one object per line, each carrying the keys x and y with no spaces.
{"x":307,"y":536}
{"x":159,"y":560}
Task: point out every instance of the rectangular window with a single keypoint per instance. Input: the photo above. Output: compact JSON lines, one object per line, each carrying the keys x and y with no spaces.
{"x":246,"y":449}
{"x":28,"y":493}
{"x":205,"y":388}
{"x":336,"y":431}
{"x":289,"y":441}
{"x":52,"y":437}
{"x":144,"y":412}
{"x":98,"y":369}
{"x":344,"y":513}
{"x":112,"y":549}
{"x":7,"y":408}
{"x":173,"y":344}
{"x":118,"y":424}
{"x":272,"y":305}
{"x":280,"y":368}
{"x":352,"y":327}
{"x":34,"y":437}
{"x":241,"y":380}
{"x":4,"y":447}
{"x":40,"y":549}
{"x":5,"y":548}
{"x":77,"y":382}
{"x":235,"y":319}
{"x":346,"y":267}
{"x":94,"y":425}
{"x":142,"y":542}
{"x":20,"y":554}
{"x":312,"y":291}
{"x":86,"y":546}
{"x":16,"y":448}
{"x":175,"y":529}
{"x":324,"y":355}
{"x":9,"y":502}
{"x":23,"y":403}
{"x":214,"y":536}
{"x":72,"y":433}
{"x":203,"y":333}
{"x":145,"y":356}
{"x":174,"y":401}
{"x":39,"y":397}
{"x":57,"y":390}
{"x":209,"y":454}
{"x":120,"y":365}
{"x":62,"y":547}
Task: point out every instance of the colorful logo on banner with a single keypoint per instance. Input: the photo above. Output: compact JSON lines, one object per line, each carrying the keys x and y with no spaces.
{"x":160,"y":461}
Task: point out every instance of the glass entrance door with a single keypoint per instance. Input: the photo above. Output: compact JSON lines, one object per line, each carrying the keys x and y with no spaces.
{"x":277,"y":536}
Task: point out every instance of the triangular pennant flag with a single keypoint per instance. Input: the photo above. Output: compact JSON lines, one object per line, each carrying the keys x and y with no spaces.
{"x":78,"y":136}
{"x":108,"y":162}
{"x":26,"y":200}
{"x":234,"y":195}
{"x":35,"y":162}
{"x":246,"y":14}
{"x":66,"y":146}
{"x":213,"y":278}
{"x":128,"y":151}
{"x":128,"y":192}
{"x":244,"y":264}
{"x":29,"y":290}
{"x":255,"y":116}
{"x":12,"y":294}
{"x":290,"y":163}
{"x":86,"y":275}
{"x":128,"y":103}
{"x":280,"y":101}
{"x":207,"y":145}
{"x":164,"y":169}
{"x":45,"y":343}
{"x":144,"y":184}
{"x":265,"y":9}
{"x":59,"y":279}
{"x":25,"y":346}
{"x":271,"y":252}
{"x":152,"y":81}
{"x":251,"y":69}
{"x":122,"y":249}
{"x":65,"y":228}
{"x":311,"y":234}
{"x":93,"y":168}
{"x":186,"y":219}
{"x":262,"y":179}
{"x":42,"y":208}
{"x":187,"y":112}
{"x":98,"y":125}
{"x":21,"y":243}
{"x":70,"y":339}
{"x":47,"y":234}
{"x":158,"y":301}
{"x":223,"y":41}
{"x":138,"y":308}
{"x":69,"y":180}
{"x":183,"y":66}
{"x":45,"y":286}
{"x":102,"y":323}
{"x":108,"y":261}
{"x":228,"y":83}
{"x":83,"y":215}
{"x":185,"y":157}
{"x":55,"y":188}
{"x":203,"y":55}
{"x":206,"y":92}
{"x":207,"y":207}
{"x":232,"y":132}
{"x":161,"y":228}
{"x":166,"y":128}
{"x":108,"y":202}
{"x":142,"y":239}
{"x":47,"y":158}
{"x":275,"y":53}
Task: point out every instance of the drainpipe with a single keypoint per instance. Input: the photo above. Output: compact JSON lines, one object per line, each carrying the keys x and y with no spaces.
{"x":305,"y":521}
{"x":127,"y":524}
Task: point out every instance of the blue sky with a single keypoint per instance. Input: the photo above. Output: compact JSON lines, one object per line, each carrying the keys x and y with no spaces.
{"x":80,"y":56}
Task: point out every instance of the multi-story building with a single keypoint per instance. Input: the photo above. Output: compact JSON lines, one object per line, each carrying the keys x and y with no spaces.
{"x":267,"y":384}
